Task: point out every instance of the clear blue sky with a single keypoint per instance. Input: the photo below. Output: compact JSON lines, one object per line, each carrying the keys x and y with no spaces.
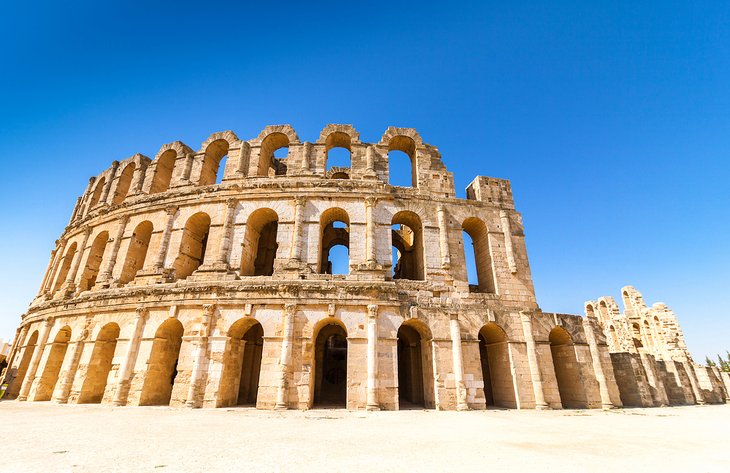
{"x":612,"y":120}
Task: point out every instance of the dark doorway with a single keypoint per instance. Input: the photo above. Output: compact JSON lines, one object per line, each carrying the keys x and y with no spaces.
{"x":331,"y":367}
{"x":410,"y":368}
{"x":251,"y":366}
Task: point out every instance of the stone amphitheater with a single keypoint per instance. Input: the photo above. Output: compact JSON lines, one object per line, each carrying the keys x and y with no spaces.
{"x":204,"y":279}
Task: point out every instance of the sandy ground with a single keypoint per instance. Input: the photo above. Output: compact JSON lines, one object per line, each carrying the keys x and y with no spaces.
{"x":47,"y":437}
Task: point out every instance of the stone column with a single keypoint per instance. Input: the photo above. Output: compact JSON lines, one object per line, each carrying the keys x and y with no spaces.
{"x":225,"y":246}
{"x":370,"y":245}
{"x":165,"y":242}
{"x":42,"y":289}
{"x":244,"y":159}
{"x":286,"y":351}
{"x":306,"y":152}
{"x":443,"y":238}
{"x":535,"y":374}
{"x":54,"y":269}
{"x":597,"y":366}
{"x":372,"y":388}
{"x":296,"y":246}
{"x":108,"y":183}
{"x":370,"y":161}
{"x":199,"y":356}
{"x":137,"y":179}
{"x":130,"y":358}
{"x":106,"y":275}
{"x":507,"y":231}
{"x":35,"y":360}
{"x":65,"y":384}
{"x":461,"y":404}
{"x":189,"y":158}
{"x":70,"y":280}
{"x":86,"y":199}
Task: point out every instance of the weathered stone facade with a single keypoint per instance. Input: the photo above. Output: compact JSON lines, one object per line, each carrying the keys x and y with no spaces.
{"x":169,"y":287}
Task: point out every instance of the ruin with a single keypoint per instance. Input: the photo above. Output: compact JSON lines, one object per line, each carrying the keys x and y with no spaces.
{"x":206,"y":279}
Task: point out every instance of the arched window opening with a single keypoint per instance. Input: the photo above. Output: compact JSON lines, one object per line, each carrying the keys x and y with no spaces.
{"x":499,"y":388}
{"x":479,"y":257}
{"x":260,"y":244}
{"x":96,"y":195}
{"x":636,"y":336}
{"x":193,"y":245}
{"x":212,"y":170}
{"x":407,"y":237}
{"x":241,"y":364}
{"x":19,"y":376}
{"x":339,"y":155}
{"x":334,"y":232}
{"x":163,"y":172}
{"x":137,"y":252}
{"x":65,"y":267}
{"x":402,"y":163}
{"x":97,"y":374}
{"x":125,"y":180}
{"x":330,"y":382}
{"x":49,"y":378}
{"x":93,"y":262}
{"x":567,"y":371}
{"x":274,"y":148}
{"x":589,"y":311}
{"x":648,"y":335}
{"x":413,"y":367}
{"x":603,"y":310}
{"x":614,"y":338}
{"x":162,"y":367}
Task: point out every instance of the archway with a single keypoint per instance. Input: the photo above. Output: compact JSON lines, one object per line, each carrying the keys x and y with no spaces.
{"x":334,"y":231}
{"x":270,"y":157}
{"x":162,"y":366}
{"x":137,"y":251}
{"x":123,"y":184}
{"x":163,"y":172}
{"x":96,"y":195}
{"x":259,"y":243}
{"x":242,"y":364}
{"x":475,"y":232}
{"x":402,"y":170}
{"x":499,"y":387}
{"x":407,"y":238}
{"x":413,"y":366}
{"x":193,"y":245}
{"x":338,"y":154}
{"x":49,"y":378}
{"x":330,"y":352}
{"x":570,"y":386}
{"x":649,"y":336}
{"x":30,"y":346}
{"x":65,"y":267}
{"x":93,"y":261}
{"x":97,"y":374}
{"x":212,"y":169}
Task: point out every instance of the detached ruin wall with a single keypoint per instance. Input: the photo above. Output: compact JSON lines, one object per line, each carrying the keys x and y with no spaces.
{"x":204,"y":279}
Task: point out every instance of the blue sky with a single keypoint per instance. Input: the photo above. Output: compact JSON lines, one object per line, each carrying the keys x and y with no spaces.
{"x":611,"y":119}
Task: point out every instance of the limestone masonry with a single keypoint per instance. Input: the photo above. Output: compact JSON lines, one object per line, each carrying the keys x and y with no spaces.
{"x":204,"y":279}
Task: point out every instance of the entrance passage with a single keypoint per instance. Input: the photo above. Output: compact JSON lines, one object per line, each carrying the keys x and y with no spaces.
{"x":248,"y":387}
{"x":241,"y":364}
{"x":572,"y":395}
{"x":330,"y":387}
{"x":410,"y":368}
{"x":162,"y":368}
{"x":494,"y":354}
{"x":49,"y":378}
{"x":92,"y":391}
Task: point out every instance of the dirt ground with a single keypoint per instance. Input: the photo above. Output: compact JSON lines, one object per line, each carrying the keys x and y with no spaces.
{"x":47,"y":437}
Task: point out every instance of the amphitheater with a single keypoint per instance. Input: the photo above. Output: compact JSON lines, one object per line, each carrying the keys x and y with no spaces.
{"x":204,"y":279}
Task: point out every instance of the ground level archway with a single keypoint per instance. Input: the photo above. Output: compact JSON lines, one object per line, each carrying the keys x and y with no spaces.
{"x":414,"y":368}
{"x":162,"y":368}
{"x":242,"y":364}
{"x":499,"y":389}
{"x":92,"y":390}
{"x":330,"y":374}
{"x":567,"y":372}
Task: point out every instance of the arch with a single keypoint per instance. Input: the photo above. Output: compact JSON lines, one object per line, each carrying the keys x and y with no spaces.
{"x":407,"y":238}
{"x":414,"y":369}
{"x":163,"y":171}
{"x":123,"y":184}
{"x":334,"y":230}
{"x":499,"y":389}
{"x":96,"y":195}
{"x":137,"y":251}
{"x":406,"y":145}
{"x":567,"y":371}
{"x":268,"y":164}
{"x":193,"y":245}
{"x":260,"y":243}
{"x":590,"y":311}
{"x":242,"y":363}
{"x":30,"y":346}
{"x":614,"y":337}
{"x":603,"y":309}
{"x":330,"y":362}
{"x":343,"y":141}
{"x":100,"y":364}
{"x":65,"y":266}
{"x":93,"y":261}
{"x":162,"y":366}
{"x":476,"y":229}
{"x":648,"y":335}
{"x":636,"y":336}
{"x":49,"y":378}
{"x":214,"y":154}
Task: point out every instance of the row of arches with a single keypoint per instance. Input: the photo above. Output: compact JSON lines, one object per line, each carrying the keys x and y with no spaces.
{"x":260,"y":244}
{"x":244,"y":351}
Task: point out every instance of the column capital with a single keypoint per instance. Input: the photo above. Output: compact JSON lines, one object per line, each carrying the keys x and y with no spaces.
{"x":86,"y":230}
{"x":48,"y":322}
{"x":171,"y":209}
{"x":208,"y":309}
{"x":373,"y":310}
{"x":115,"y":163}
{"x":289,"y":309}
{"x":141,"y":312}
{"x":503,"y":214}
{"x":299,"y":201}
{"x":231,"y":203}
{"x":525,"y":316}
{"x":92,"y":179}
{"x":371,"y":201}
{"x":454,"y":316}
